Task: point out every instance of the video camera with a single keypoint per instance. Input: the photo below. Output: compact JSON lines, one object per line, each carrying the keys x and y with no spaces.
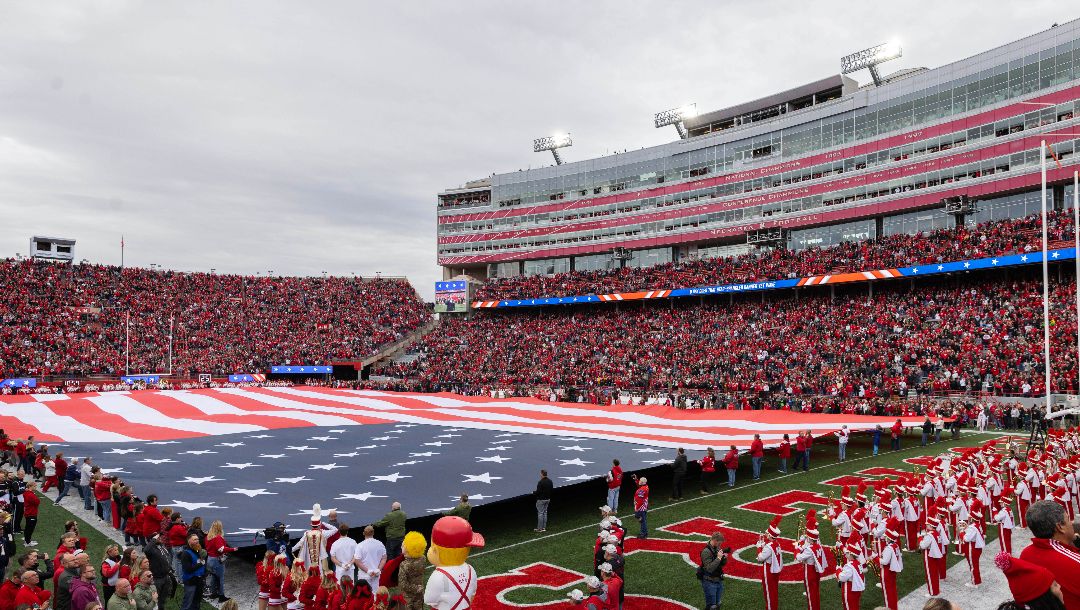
{"x":276,"y":533}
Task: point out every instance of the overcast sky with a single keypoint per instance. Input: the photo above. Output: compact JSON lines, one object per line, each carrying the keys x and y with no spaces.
{"x":312,"y":136}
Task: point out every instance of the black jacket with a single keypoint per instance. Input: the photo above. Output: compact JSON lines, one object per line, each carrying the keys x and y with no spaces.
{"x":680,"y":464}
{"x":544,"y":488}
{"x":160,"y":560}
{"x":62,"y":598}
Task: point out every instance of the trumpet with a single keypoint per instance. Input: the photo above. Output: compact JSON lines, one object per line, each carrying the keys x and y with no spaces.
{"x":801,"y":531}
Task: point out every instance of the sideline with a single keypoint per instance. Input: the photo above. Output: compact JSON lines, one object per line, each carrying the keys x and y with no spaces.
{"x":712,"y":495}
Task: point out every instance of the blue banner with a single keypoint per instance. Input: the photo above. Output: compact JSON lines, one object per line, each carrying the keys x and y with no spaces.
{"x":19,"y":382}
{"x":147,"y":379}
{"x":245,"y":378}
{"x":287,"y":369}
{"x":450,"y":286}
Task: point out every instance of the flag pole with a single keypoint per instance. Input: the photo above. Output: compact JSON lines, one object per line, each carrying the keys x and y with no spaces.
{"x":1046,"y":281}
{"x":121,"y":251}
{"x":127,"y":345}
{"x":1076,"y":255}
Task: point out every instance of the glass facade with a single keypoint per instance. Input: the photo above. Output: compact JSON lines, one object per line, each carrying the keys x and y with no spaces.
{"x":917,"y":222}
{"x":593,"y":262}
{"x":651,"y":257}
{"x":1010,"y":206}
{"x":547,"y":266}
{"x":823,"y":237}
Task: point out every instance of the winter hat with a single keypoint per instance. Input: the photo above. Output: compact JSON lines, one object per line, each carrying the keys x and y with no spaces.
{"x":1027,"y":580}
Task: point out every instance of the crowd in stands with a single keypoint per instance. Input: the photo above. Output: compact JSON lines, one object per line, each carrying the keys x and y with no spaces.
{"x":932,"y":337}
{"x":73,"y":319}
{"x":988,"y":239}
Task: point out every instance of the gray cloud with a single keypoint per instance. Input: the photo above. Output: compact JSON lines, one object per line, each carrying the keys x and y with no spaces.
{"x":249,"y":136}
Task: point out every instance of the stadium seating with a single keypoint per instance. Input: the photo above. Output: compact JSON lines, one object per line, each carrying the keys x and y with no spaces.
{"x":951,"y":336}
{"x":72,"y":320}
{"x":988,"y":239}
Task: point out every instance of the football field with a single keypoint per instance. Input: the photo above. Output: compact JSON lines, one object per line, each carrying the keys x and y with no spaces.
{"x":522,"y":568}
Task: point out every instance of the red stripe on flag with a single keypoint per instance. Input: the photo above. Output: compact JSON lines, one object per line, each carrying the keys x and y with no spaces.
{"x":177,"y":409}
{"x":89,"y":414}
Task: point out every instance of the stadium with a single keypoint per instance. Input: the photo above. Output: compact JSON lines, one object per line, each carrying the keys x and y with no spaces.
{"x":821,"y":349}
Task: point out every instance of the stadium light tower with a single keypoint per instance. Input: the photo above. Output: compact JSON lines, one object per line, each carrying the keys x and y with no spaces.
{"x":870,"y":58}
{"x":553,"y":143}
{"x":675,"y":117}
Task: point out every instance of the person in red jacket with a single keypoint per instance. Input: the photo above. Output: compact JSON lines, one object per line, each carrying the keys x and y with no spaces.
{"x":708,"y":469}
{"x":133,"y":525}
{"x":30,"y":592}
{"x":614,"y":586}
{"x":800,"y":452}
{"x":103,"y":495}
{"x":784,"y":453}
{"x":641,"y":505}
{"x":897,"y":431}
{"x":731,"y":463}
{"x":31,"y":501}
{"x":614,"y":485}
{"x":325,"y":591}
{"x":276,"y":580}
{"x":151,"y":517}
{"x":337,"y":598}
{"x":757,"y":454}
{"x":216,"y":551}
{"x":10,"y":589}
{"x":61,"y":474}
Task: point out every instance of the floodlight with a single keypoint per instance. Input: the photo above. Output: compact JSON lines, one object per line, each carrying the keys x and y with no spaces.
{"x":675,"y":117}
{"x":553,"y":143}
{"x":870,"y":58}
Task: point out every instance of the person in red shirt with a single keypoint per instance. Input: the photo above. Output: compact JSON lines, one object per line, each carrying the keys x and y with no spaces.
{"x":641,"y":505}
{"x":216,"y":551}
{"x":1052,"y":548}
{"x":614,"y":587}
{"x":784,"y":454}
{"x":10,"y":589}
{"x":757,"y":454}
{"x":151,"y":517}
{"x":61,"y":475}
{"x":708,"y":469}
{"x":30,"y":593}
{"x":614,"y":485}
{"x":731,"y":462}
{"x":30,"y":513}
{"x":309,"y":588}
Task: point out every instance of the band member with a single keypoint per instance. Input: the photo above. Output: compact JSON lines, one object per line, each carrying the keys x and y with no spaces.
{"x":311,"y":548}
{"x":771,"y":564}
{"x":911,"y":519}
{"x":1004,"y":518}
{"x":973,"y":546}
{"x":891,"y":564}
{"x":811,"y":554}
{"x":850,"y":577}
{"x":1023,"y":493}
{"x":933,"y":552}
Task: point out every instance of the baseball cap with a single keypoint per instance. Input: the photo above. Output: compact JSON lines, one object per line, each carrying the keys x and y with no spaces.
{"x":455,"y":533}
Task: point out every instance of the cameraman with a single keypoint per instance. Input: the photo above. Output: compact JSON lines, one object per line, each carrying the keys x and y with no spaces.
{"x":711,"y":572}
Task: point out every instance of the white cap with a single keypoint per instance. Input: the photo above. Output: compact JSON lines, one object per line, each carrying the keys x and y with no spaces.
{"x":606,"y":568}
{"x":643,"y":481}
{"x":616,"y":520}
{"x":576,"y":595}
{"x":611,"y":539}
{"x":592,"y":582}
{"x":605,"y":509}
{"x":611,"y":548}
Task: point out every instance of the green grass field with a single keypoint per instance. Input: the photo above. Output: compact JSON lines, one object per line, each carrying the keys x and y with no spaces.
{"x":572,"y":529}
{"x":50,"y":526}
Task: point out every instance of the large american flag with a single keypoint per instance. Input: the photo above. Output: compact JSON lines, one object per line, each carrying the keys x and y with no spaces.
{"x":252,"y":456}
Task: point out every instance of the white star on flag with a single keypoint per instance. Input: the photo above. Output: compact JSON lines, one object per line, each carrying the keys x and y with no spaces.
{"x":272,"y":456}
{"x":299,"y":448}
{"x":338,"y":431}
{"x":424,"y":454}
{"x":448,"y":436}
{"x":395,"y":432}
{"x":499,"y":448}
{"x":306,"y":512}
{"x":155,"y":462}
{"x":240,"y":466}
{"x":323,"y":438}
{"x":260,"y":436}
{"x":392,"y":478}
{"x":480,"y":478}
{"x":362,"y":497}
{"x":654,"y":462}
{"x":575,"y":462}
{"x":163,"y":443}
{"x":251,"y":493}
{"x":324,"y":466}
{"x":123,"y":451}
{"x":574,"y":448}
{"x":498,"y":459}
{"x":580,"y":477}
{"x":506,"y":434}
{"x":292,"y":480}
{"x":189,"y":506}
{"x":646,"y":450}
{"x":368,"y":447}
{"x":199,"y":480}
{"x":438,"y":444}
{"x":454,"y":429}
{"x":350,"y":454}
{"x":197,"y":452}
{"x":406,"y":425}
{"x":409,"y":463}
{"x":237,"y":444}
{"x":477,"y":497}
{"x":114,"y":471}
{"x":381,"y":438}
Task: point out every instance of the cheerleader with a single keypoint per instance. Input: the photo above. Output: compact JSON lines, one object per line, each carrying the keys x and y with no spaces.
{"x":278,"y":576}
{"x":263,"y":569}
{"x":325,"y":591}
{"x":290,"y":588}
